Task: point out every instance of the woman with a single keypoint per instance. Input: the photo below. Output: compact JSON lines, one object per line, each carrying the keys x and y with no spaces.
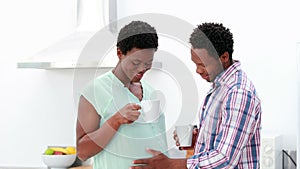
{"x":109,"y":127}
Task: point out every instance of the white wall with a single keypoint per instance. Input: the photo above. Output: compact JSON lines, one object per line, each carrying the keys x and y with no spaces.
{"x":37,"y":106}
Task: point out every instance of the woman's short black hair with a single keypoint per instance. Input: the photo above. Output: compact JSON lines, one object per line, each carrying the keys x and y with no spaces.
{"x":137,"y":34}
{"x":213,"y":37}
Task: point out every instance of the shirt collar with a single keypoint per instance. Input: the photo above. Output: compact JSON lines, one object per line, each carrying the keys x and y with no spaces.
{"x":226,"y":74}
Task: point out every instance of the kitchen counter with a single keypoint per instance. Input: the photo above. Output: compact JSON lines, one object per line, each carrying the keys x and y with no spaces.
{"x":83,"y":167}
{"x":10,"y":167}
{"x":79,"y":167}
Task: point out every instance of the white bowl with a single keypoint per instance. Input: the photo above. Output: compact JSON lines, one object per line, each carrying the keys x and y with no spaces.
{"x":59,"y":161}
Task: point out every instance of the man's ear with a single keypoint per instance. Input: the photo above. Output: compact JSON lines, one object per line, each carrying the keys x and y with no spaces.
{"x":119,"y":53}
{"x":224,"y":58}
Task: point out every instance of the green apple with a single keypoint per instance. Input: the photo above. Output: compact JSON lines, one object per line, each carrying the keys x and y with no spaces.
{"x":49,"y":151}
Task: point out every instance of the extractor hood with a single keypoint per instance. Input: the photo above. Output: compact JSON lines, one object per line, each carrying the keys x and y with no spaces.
{"x":92,"y":15}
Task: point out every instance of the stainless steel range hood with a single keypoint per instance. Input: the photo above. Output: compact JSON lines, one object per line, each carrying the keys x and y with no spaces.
{"x":92,"y":15}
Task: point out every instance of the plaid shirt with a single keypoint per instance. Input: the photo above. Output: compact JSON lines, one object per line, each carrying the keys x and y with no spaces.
{"x":229,"y":131}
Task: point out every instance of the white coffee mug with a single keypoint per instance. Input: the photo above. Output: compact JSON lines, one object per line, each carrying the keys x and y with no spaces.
{"x":150,"y":111}
{"x":185,"y":135}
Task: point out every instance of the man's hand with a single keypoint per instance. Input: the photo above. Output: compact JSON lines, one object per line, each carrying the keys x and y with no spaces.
{"x":194,"y":139}
{"x":159,"y":161}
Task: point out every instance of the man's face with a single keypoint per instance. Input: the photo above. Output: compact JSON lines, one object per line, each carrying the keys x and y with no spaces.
{"x":207,"y":66}
{"x":136,"y":62}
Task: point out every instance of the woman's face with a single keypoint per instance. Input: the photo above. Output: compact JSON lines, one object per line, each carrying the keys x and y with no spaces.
{"x":136,"y":62}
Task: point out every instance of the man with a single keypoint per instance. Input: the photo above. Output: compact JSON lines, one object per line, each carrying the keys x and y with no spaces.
{"x":108,"y":126}
{"x":230,"y":120}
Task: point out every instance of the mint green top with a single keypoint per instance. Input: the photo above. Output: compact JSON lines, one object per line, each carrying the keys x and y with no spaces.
{"x":108,"y":95}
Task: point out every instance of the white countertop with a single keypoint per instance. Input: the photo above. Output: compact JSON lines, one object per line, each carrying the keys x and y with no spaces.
{"x":19,"y":167}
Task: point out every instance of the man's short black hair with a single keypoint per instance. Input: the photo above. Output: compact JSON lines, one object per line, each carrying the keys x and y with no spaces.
{"x":137,"y":34}
{"x":213,"y":37}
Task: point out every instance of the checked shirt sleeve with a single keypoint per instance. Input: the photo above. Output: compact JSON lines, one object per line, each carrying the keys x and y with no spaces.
{"x":240,"y":114}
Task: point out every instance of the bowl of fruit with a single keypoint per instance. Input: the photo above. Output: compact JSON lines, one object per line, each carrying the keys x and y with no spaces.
{"x":59,"y":157}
